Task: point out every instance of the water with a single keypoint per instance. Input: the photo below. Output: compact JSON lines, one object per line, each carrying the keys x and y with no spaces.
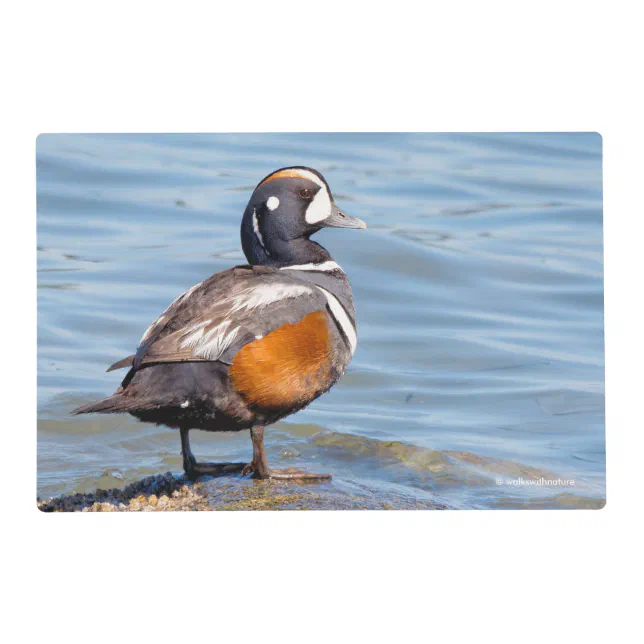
{"x":478,"y":287}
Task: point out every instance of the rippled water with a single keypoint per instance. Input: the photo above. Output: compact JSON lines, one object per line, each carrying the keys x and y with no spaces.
{"x":478,"y":286}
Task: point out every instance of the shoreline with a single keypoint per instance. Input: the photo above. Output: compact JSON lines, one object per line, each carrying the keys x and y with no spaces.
{"x":170,"y":493}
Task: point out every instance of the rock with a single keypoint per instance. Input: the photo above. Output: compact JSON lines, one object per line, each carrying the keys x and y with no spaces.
{"x":165,"y":492}
{"x":227,"y":493}
{"x":409,"y":478}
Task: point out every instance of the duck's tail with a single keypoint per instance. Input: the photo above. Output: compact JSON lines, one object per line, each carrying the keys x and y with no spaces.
{"x":112,"y":405}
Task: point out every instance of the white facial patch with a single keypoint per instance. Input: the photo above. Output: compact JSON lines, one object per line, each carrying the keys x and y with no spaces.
{"x":320,"y":207}
{"x":272,"y":203}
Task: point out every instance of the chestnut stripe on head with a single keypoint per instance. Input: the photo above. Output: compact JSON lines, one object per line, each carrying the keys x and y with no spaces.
{"x":298,"y":173}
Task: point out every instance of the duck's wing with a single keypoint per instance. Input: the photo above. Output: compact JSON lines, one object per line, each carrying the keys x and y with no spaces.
{"x":177,"y":311}
{"x":215,"y":319}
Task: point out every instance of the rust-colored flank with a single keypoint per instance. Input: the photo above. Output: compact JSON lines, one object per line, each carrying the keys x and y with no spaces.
{"x":290,"y":365}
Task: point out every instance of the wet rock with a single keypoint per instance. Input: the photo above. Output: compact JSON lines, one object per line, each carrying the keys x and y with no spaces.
{"x":140,"y":496}
{"x":233,"y":494}
{"x":505,"y":468}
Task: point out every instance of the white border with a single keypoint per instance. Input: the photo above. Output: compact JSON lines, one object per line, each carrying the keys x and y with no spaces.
{"x":324,"y":577}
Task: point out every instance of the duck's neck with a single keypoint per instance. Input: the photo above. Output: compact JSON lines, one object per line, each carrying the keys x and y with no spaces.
{"x":299,"y":251}
{"x":283,"y":253}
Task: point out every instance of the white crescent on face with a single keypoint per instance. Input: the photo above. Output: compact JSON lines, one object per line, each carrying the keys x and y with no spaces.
{"x":320,"y":208}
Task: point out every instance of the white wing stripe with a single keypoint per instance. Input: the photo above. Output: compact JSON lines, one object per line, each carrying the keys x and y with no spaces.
{"x":212,"y":343}
{"x":216,"y":341}
{"x":324,"y":266}
{"x":193,"y":335}
{"x":264,"y":294}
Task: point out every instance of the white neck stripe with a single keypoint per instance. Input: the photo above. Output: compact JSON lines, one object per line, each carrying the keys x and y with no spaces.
{"x":324,"y":266}
{"x":260,"y":239}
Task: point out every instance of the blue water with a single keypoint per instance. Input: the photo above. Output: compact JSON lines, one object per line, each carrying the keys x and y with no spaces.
{"x":478,"y":287}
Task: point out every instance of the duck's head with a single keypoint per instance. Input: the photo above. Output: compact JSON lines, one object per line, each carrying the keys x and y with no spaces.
{"x":285,"y":209}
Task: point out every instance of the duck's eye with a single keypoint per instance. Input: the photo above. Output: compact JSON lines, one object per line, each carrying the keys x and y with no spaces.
{"x":305,"y":193}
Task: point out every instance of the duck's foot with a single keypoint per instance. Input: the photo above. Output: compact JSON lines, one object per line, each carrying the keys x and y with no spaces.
{"x":296,"y":474}
{"x":194,"y":470}
{"x":258,"y":467}
{"x":291,"y":474}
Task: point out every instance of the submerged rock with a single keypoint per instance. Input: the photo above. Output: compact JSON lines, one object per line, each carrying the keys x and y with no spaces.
{"x":441,"y":468}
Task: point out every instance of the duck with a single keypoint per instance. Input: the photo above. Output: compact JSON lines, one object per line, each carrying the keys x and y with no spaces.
{"x":254,"y":343}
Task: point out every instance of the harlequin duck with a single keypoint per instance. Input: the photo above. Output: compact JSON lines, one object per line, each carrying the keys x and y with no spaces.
{"x":254,"y":343}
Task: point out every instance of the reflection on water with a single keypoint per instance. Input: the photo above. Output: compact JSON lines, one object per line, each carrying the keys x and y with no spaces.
{"x":478,"y":286}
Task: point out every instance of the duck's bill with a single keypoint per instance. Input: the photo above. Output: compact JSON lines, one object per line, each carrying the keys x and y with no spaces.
{"x":339,"y":219}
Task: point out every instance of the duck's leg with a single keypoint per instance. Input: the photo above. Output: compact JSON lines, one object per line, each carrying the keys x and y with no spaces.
{"x":258,"y":467}
{"x":193,"y":469}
